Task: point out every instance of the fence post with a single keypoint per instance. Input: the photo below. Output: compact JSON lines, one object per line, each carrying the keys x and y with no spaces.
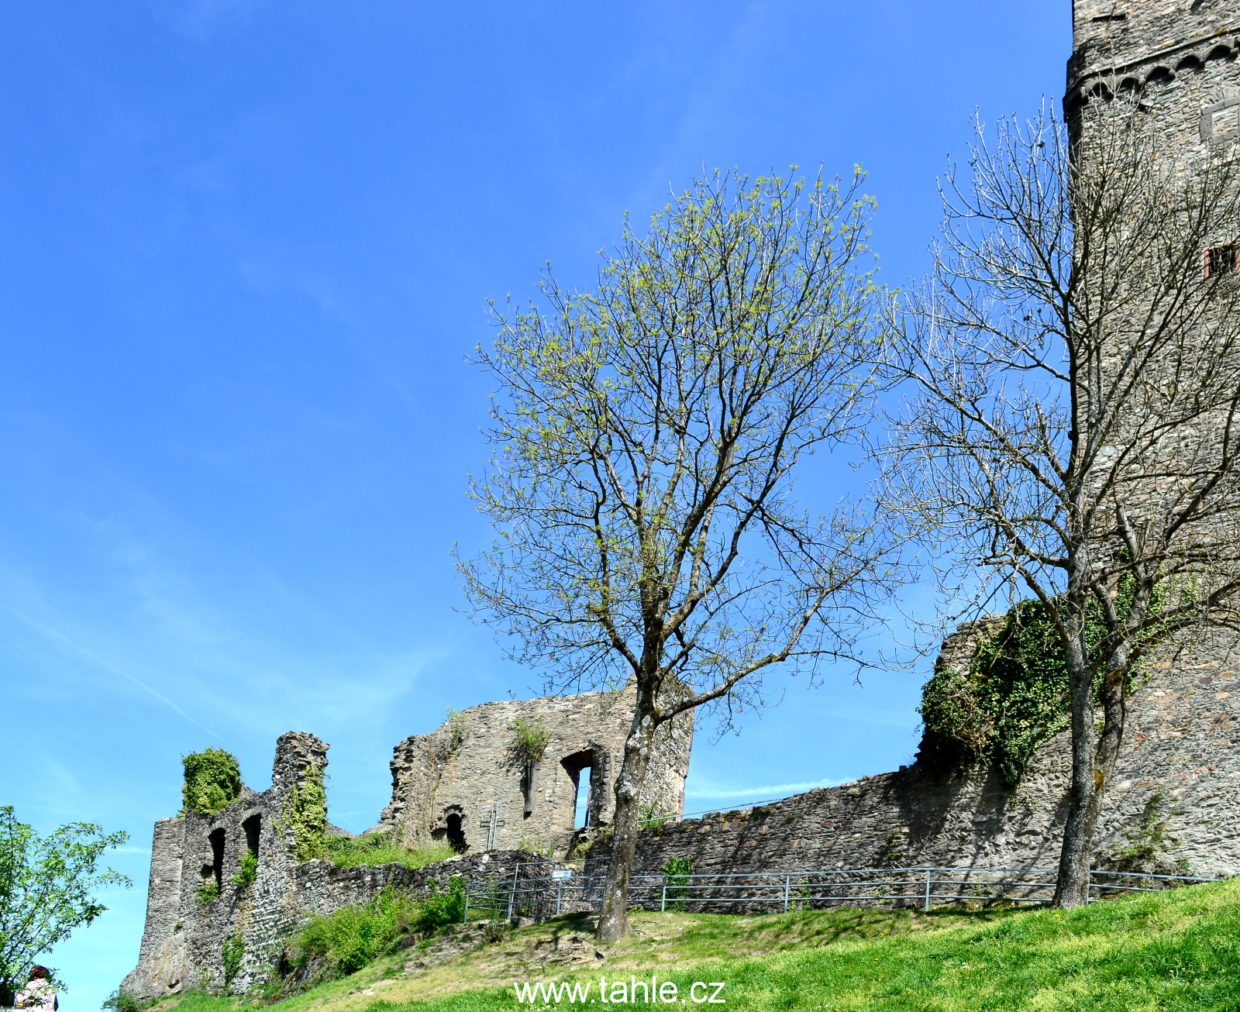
{"x":559,"y":888}
{"x":512,"y":895}
{"x":663,"y":901}
{"x":786,"y":878}
{"x":927,"y":906}
{"x":465,"y":913}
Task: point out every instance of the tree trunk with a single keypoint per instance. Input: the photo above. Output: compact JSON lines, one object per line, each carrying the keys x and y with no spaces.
{"x":1093,"y":763}
{"x":613,"y":922}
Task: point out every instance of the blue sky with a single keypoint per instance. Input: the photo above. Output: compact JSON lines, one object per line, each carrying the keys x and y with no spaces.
{"x":248,"y":249}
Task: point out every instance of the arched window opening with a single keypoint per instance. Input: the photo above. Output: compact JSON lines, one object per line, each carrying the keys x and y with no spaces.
{"x":451,"y":829}
{"x":216,"y":838}
{"x":456,"y":832}
{"x":252,"y":826}
{"x":580,"y":769}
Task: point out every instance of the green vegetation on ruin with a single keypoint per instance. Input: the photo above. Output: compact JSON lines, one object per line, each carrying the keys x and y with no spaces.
{"x":305,"y":813}
{"x":1012,"y":697}
{"x":247,"y":871}
{"x":529,"y":739}
{"x":212,"y":781}
{"x":371,"y":849}
{"x":455,"y":724}
{"x":1178,"y":949}
{"x":327,"y":948}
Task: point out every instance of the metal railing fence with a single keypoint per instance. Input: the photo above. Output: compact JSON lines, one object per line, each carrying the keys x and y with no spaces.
{"x":539,"y":889}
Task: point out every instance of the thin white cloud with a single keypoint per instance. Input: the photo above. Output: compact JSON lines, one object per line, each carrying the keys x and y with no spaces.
{"x":90,"y":656}
{"x":761,"y":792}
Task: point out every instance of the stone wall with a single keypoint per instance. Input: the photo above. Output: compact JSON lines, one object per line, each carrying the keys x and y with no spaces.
{"x":1183,"y":740}
{"x":465,"y":783}
{"x":182,"y":944}
{"x":1181,"y":62}
{"x":468,"y":772}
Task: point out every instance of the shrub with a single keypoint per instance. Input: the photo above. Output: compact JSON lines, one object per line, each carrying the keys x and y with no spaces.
{"x":456,"y":728}
{"x":676,"y":872}
{"x":212,"y":781}
{"x":122,"y":1001}
{"x":529,"y":739}
{"x":208,"y":891}
{"x":380,"y":848}
{"x":532,"y":847}
{"x":650,"y":816}
{"x":439,"y":909}
{"x":247,"y":872}
{"x":347,"y":939}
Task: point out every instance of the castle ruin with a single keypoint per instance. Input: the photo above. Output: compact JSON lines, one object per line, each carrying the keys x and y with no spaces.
{"x":468,"y":782}
{"x":465,"y":783}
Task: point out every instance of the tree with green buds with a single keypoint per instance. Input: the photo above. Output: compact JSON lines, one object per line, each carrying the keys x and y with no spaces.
{"x":646,"y":437}
{"x":49,"y":886}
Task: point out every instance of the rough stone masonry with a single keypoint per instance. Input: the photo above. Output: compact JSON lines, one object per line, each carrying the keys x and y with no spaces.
{"x":464,"y":783}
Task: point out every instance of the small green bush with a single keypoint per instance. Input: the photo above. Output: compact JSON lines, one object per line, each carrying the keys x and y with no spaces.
{"x":212,"y":781}
{"x":440,"y":909}
{"x":208,"y":891}
{"x":371,"y":849}
{"x":650,"y":816}
{"x":347,"y":939}
{"x":676,"y":872}
{"x":533,"y":847}
{"x":456,"y":728}
{"x":231,"y":956}
{"x":247,"y":872}
{"x":122,"y":1001}
{"x":529,"y":739}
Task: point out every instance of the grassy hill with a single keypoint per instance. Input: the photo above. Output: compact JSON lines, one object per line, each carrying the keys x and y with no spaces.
{"x":1176,"y":950}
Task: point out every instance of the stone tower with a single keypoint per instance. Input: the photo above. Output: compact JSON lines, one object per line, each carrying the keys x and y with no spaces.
{"x":1154,"y":86}
{"x":1179,"y":55}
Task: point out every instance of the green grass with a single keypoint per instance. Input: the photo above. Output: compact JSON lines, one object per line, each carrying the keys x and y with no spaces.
{"x":345,"y":941}
{"x":1176,"y":950}
{"x":379,"y":848}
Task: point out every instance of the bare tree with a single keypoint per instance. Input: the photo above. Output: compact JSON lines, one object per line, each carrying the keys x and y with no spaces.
{"x":1073,"y":377}
{"x":646,"y":438}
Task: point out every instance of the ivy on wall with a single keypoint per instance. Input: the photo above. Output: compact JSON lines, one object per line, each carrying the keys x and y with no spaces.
{"x":1013,"y":696}
{"x":212,"y":781}
{"x":305,"y":814}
